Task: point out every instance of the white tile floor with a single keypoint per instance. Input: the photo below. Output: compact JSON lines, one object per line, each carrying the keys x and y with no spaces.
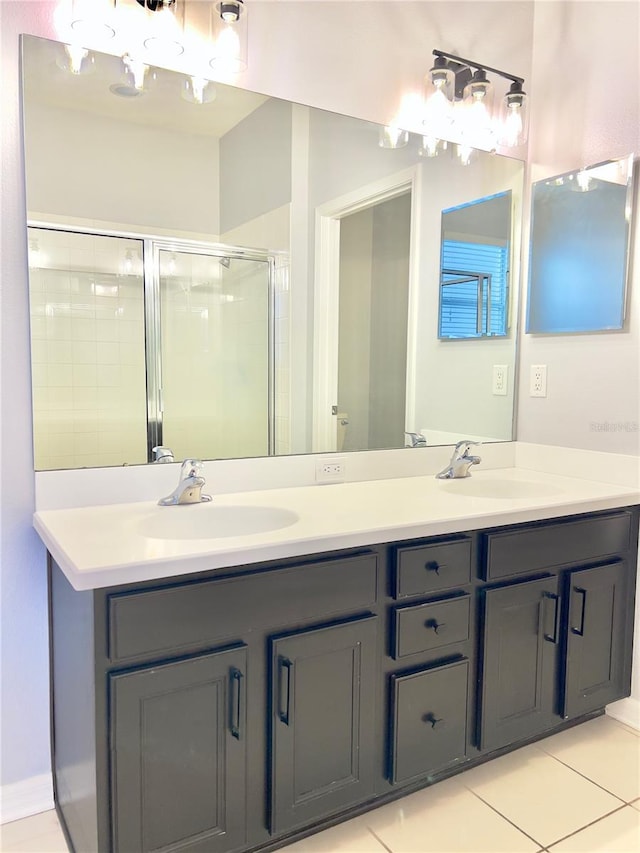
{"x":574,"y":792}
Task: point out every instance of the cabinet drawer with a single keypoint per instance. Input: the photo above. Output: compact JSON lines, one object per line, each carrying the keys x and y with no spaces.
{"x":431,"y":568}
{"x":429,"y":720}
{"x":202,"y":613}
{"x":424,"y":627}
{"x":516,"y":552}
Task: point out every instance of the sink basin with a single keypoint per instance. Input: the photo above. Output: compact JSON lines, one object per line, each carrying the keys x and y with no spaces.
{"x":499,"y":489}
{"x":210,"y":521}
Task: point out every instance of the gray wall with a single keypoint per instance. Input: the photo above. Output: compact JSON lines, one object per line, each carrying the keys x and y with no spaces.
{"x":255,"y":165}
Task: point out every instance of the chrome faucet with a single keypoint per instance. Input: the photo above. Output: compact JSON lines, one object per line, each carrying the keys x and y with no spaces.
{"x":460,"y":462}
{"x":189,"y":488}
{"x":162,"y":454}
{"x":416,"y":439}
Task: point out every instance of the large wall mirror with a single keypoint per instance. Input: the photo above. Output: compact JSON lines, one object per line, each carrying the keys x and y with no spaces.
{"x":244,"y":276}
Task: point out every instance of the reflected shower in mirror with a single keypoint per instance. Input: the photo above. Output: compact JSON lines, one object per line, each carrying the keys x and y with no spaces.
{"x":242,"y":277}
{"x":580,"y":237}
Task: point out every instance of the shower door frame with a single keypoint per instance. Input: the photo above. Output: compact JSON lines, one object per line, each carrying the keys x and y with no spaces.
{"x":152,"y":245}
{"x":153,"y":348}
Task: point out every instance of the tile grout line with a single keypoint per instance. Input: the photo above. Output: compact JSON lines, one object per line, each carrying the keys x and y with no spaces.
{"x":586,"y":826}
{"x":504,"y":817}
{"x":379,"y":840}
{"x":597,"y":784}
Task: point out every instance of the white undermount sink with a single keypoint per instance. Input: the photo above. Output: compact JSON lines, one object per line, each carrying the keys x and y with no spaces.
{"x":476,"y":487}
{"x":210,"y":521}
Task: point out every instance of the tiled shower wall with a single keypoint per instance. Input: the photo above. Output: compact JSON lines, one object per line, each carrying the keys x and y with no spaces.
{"x":88,"y":357}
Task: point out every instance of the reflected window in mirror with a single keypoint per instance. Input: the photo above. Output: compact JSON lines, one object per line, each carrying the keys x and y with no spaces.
{"x":580,"y":235}
{"x":474,"y":274}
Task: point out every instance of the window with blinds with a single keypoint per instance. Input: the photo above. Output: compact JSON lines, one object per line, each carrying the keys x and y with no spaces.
{"x":473,"y":290}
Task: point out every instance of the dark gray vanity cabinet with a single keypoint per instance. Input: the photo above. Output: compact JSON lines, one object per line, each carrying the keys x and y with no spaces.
{"x":598,"y":627}
{"x":235,"y":710}
{"x":323,"y":739}
{"x":520,"y":655}
{"x":178,"y":754}
{"x":552,"y":646}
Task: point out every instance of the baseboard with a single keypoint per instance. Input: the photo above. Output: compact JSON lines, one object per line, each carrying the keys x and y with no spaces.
{"x":627,"y":711}
{"x":26,"y":798}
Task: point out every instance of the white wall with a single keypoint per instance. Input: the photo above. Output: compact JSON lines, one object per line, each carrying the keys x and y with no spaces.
{"x":148,"y":178}
{"x":585,"y":109}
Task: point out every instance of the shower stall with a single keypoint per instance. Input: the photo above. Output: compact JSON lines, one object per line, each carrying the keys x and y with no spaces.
{"x":141,"y":341}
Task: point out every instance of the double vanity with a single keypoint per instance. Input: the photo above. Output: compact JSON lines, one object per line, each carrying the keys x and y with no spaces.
{"x":232,"y":675}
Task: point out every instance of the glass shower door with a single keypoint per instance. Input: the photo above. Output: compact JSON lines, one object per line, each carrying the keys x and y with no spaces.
{"x":214,"y":370}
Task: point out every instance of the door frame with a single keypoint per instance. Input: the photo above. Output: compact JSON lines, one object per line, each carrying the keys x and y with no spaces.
{"x":326,"y":295}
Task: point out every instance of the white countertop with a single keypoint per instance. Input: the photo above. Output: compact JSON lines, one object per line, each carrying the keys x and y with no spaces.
{"x":99,"y":546}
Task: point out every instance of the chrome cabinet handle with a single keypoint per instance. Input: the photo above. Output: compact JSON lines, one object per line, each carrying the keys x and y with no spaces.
{"x":583,"y":606}
{"x":284,"y":689}
{"x":235,"y":701}
{"x":552,"y":638}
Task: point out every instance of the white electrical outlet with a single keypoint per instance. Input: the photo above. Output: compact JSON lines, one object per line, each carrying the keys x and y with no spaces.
{"x":538,"y":380}
{"x":500,"y":379}
{"x":331,"y":470}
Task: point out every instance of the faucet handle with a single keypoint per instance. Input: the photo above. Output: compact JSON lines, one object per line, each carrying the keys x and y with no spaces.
{"x":191,"y":468}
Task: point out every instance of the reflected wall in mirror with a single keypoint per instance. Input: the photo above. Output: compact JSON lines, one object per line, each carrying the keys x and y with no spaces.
{"x":242,"y":277}
{"x":580,"y":239}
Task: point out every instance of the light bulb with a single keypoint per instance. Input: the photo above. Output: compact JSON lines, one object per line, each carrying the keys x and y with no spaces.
{"x":172,"y":265}
{"x":136,"y":69}
{"x":128,"y":263}
{"x":465,"y":153}
{"x":513,"y":124}
{"x":227,"y":49}
{"x":76,"y":56}
{"x":476,"y":124}
{"x":583,"y":180}
{"x":430,"y":146}
{"x":91,"y":21}
{"x":393,"y":137}
{"x":198,"y":90}
{"x":228,"y":24}
{"x":165,"y":38}
{"x":438,"y":104}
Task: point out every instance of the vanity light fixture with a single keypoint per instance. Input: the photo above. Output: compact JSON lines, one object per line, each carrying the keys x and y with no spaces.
{"x":459,"y":104}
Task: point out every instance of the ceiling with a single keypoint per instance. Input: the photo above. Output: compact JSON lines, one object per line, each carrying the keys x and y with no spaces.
{"x":161,"y":105}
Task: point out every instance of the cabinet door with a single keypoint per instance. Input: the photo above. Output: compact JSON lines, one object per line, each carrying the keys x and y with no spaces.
{"x":596,"y":633}
{"x":323,"y":699}
{"x":178,"y":755}
{"x":519,"y":664}
{"x":429,"y":720}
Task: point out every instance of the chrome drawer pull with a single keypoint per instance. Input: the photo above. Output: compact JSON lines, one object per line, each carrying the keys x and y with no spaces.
{"x":431,"y":718}
{"x":434,"y":566}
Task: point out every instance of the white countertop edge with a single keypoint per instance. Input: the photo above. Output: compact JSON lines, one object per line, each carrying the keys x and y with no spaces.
{"x":236,"y":552}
